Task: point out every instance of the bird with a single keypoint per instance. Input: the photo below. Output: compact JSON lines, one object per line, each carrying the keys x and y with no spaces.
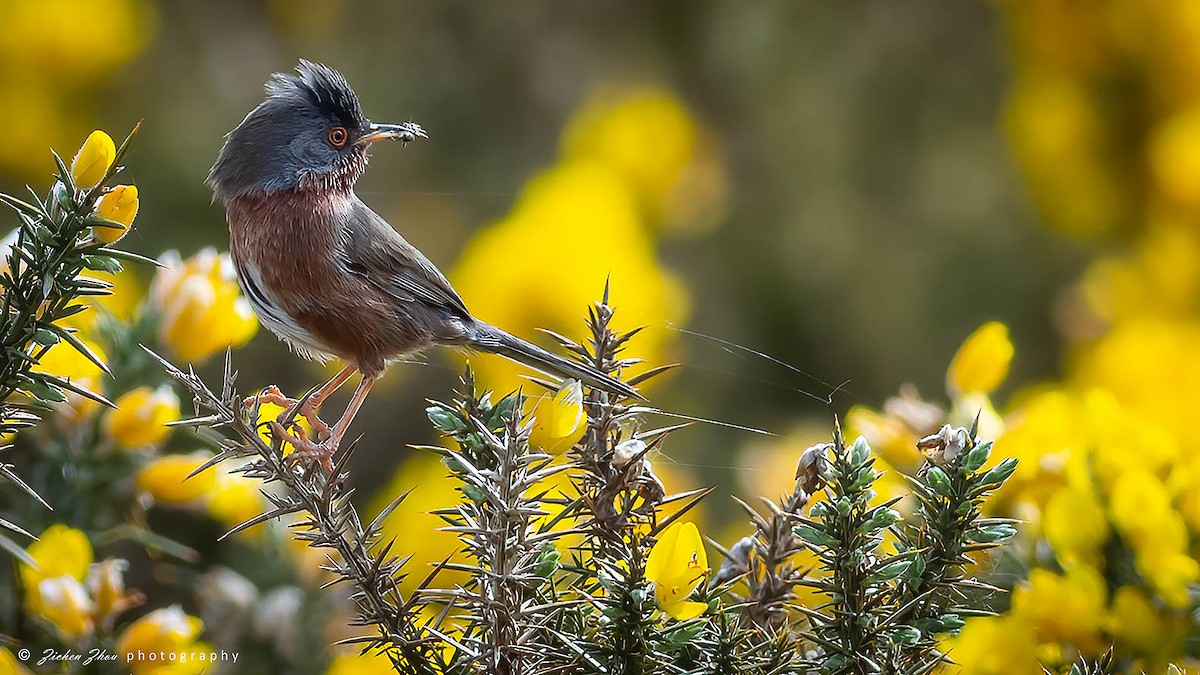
{"x":321,"y":269}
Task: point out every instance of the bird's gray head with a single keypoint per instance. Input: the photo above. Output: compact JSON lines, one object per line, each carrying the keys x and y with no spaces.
{"x":309,"y":133}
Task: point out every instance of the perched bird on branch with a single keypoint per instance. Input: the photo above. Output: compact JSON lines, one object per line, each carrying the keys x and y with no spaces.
{"x":322,"y":270}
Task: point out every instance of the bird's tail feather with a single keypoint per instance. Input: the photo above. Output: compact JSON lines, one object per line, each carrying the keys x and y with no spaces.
{"x":490,"y":339}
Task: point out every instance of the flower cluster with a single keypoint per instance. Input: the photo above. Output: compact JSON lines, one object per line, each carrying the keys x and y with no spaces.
{"x":73,"y":324}
{"x":201,"y":310}
{"x":604,"y":188}
{"x":76,"y":596}
{"x":1108,"y":479}
{"x":1104,"y":493}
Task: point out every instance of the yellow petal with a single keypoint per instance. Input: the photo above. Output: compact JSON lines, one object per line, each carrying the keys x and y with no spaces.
{"x":92,"y":161}
{"x":166,"y":478}
{"x":64,"y":602}
{"x":141,"y":417}
{"x":167,"y":630}
{"x":685,"y":609}
{"x":235,"y":498}
{"x":559,"y":421}
{"x":982,"y":362}
{"x":659,"y":561}
{"x":677,"y":564}
{"x":119,"y":205}
{"x":201,"y":309}
{"x":60,"y":551}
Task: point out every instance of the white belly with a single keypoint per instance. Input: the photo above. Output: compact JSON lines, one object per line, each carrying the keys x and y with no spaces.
{"x":274,"y":318}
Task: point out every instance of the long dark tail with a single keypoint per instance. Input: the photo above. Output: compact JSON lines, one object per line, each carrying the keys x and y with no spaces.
{"x":495,"y":341}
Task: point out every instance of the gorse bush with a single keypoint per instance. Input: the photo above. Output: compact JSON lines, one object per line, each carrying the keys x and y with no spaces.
{"x":576,"y":556}
{"x":578,"y":559}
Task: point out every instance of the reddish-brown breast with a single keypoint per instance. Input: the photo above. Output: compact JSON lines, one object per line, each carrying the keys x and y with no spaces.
{"x":284,"y":247}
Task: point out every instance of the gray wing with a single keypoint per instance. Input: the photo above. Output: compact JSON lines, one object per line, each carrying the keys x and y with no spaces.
{"x":383,"y":258}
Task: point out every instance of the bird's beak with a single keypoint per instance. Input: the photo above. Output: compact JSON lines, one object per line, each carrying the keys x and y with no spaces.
{"x":405,"y":133}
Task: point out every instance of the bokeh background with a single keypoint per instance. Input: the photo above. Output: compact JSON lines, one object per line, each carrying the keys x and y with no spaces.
{"x":851,"y":188}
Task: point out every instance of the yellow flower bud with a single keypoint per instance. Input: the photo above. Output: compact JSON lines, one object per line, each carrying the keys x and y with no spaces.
{"x":167,"y":630}
{"x":1074,"y":523}
{"x":92,"y":161}
{"x":166,"y":478}
{"x":141,"y":417}
{"x":64,"y":602}
{"x":559,"y":421}
{"x":982,"y":362}
{"x":1068,"y":607}
{"x":677,"y":564}
{"x":268,"y":411}
{"x":119,"y":205}
{"x":200,"y":306}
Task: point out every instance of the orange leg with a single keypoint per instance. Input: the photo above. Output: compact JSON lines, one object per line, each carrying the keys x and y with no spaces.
{"x":324,"y":451}
{"x":360,"y":395}
{"x":314,"y":401}
{"x":331,"y":386}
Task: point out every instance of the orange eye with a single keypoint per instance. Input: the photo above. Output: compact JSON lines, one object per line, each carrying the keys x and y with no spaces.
{"x":338,"y":136}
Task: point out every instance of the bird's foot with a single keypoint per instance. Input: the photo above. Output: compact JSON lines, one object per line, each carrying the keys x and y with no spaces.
{"x":305,"y":448}
{"x":305,"y":408}
{"x":271,"y":394}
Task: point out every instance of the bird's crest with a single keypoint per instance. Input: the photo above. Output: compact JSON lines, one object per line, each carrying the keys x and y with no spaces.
{"x":324,"y":87}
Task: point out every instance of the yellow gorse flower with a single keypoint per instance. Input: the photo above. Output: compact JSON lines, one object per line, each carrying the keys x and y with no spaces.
{"x":61,"y":550}
{"x":982,"y":362}
{"x":1074,"y":523}
{"x":141,"y":417}
{"x":268,"y":411}
{"x":1137,"y":623}
{"x":1068,"y":607}
{"x":229,"y":497}
{"x":994,"y":645}
{"x":65,"y":361}
{"x":559,"y":421}
{"x":201,"y":309}
{"x":681,"y":183}
{"x":64,"y":602}
{"x":677,"y":564}
{"x":120,"y":205}
{"x":54,"y":589}
{"x":168,"y":630}
{"x":609,"y":190}
{"x":166,"y":478}
{"x":93,"y":160}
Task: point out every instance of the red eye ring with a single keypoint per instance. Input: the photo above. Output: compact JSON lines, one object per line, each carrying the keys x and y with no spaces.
{"x":338,"y":137}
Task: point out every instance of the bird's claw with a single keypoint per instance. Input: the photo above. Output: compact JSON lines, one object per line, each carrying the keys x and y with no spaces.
{"x":271,"y":394}
{"x":291,"y":408}
{"x":304,"y":448}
